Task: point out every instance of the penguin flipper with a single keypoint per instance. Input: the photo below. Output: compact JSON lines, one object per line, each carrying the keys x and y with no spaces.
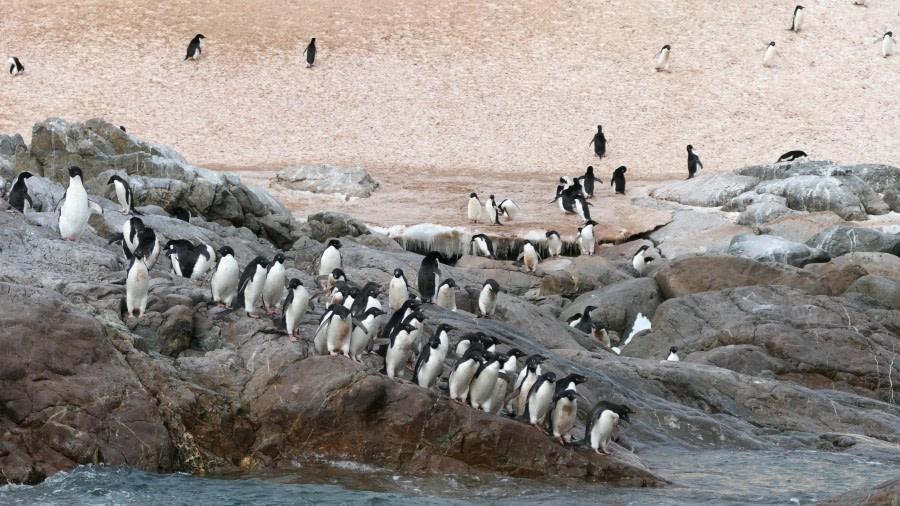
{"x":360,"y":325}
{"x":59,"y":204}
{"x":116,"y":238}
{"x":95,"y":207}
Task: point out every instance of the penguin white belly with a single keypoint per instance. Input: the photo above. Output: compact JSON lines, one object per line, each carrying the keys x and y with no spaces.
{"x":601,"y":432}
{"x":673,"y":357}
{"x":253,"y":291}
{"x":200,"y":267}
{"x":444,"y":347}
{"x":663,"y":61}
{"x":320,"y":341}
{"x":224,"y":282}
{"x":461,"y":379}
{"x":176,"y":264}
{"x":481,"y":247}
{"x":539,"y":404}
{"x":431,"y":370}
{"x":487,"y":301}
{"x":531,"y":259}
{"x":359,"y":338}
{"x":769,"y":58}
{"x":122,"y":196}
{"x":331,"y":260}
{"x":887,"y":46}
{"x":561,"y":206}
{"x":296,"y":311}
{"x":524,"y":388}
{"x":446,"y":298}
{"x":398,"y":293}
{"x":639,"y":263}
{"x":274,"y":286}
{"x":398,"y":354}
{"x":798,"y":21}
{"x":562,"y":420}
{"x":74,"y":213}
{"x":554,"y":245}
{"x":462,"y":347}
{"x":587,"y":240}
{"x":136,"y":288}
{"x":481,"y":391}
{"x":339,"y":335}
{"x":474,"y":211}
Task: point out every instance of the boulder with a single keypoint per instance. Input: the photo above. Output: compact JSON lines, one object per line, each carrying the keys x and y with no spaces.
{"x":801,"y":227}
{"x":347,"y":181}
{"x":840,"y":240}
{"x":770,"y":248}
{"x":884,"y":291}
{"x":329,"y":224}
{"x":748,"y":198}
{"x":625,"y":252}
{"x":818,"y":193}
{"x":881,"y":178}
{"x":706,"y":191}
{"x":510,"y":276}
{"x":892,"y":199}
{"x":842,"y":271}
{"x":884,"y":493}
{"x":618,"y":305}
{"x":757,"y":214}
{"x":693,"y":274}
{"x":695,"y":232}
{"x":770,"y":171}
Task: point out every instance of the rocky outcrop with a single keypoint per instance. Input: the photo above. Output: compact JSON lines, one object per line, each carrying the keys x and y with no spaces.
{"x":350,"y":182}
{"x":885,"y":493}
{"x":770,"y":248}
{"x":706,"y":191}
{"x":757,"y":214}
{"x":841,"y":240}
{"x":695,"y":232}
{"x":801,"y":227}
{"x":619,"y":304}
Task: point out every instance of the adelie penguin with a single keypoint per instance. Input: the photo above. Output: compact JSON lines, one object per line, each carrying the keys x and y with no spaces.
{"x":640,"y":259}
{"x":797,"y":20}
{"x":398,"y":290}
{"x":487,"y":300}
{"x":481,"y":390}
{"x":586,"y":240}
{"x":529,"y":256}
{"x":123,"y":194}
{"x":599,"y":142}
{"x":446,"y":296}
{"x":493,"y":211}
{"x":250,"y":287}
{"x":429,"y":278}
{"x":526,"y":379}
{"x":587,"y":182}
{"x":273,"y":287}
{"x":137,"y":280}
{"x":482,"y":246}
{"x":673,"y":355}
{"x":473,"y":211}
{"x":339,"y":322}
{"x":887,"y":44}
{"x":15,"y":66}
{"x":430,"y":364}
{"x":565,"y":407}
{"x":662,"y":58}
{"x":463,"y":371}
{"x":224,"y":282}
{"x":188,"y":260}
{"x":554,"y":243}
{"x":601,"y":422}
{"x":294,"y":309}
{"x":330,"y":258}
{"x":398,"y":350}
{"x":539,"y":398}
{"x":75,"y":208}
{"x":310,"y":53}
{"x":618,"y":180}
{"x":790,"y":156}
{"x":693,"y":161}
{"x":769,"y":57}
{"x":193,"y":50}
{"x":364,"y":333}
{"x":508,"y":372}
{"x":509,"y":209}
{"x":585,"y":323}
{"x":18,"y":195}
{"x":582,"y":208}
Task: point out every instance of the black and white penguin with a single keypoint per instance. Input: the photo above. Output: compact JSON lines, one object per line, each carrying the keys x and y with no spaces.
{"x":539,"y":398}
{"x":349,"y":294}
{"x":618,"y":180}
{"x":673,"y":355}
{"x":417,"y":335}
{"x":250,"y":286}
{"x":362,"y":335}
{"x":662,"y":58}
{"x":583,"y":320}
{"x":482,"y":246}
{"x":562,"y":415}
{"x":463,"y":371}
{"x":398,"y":290}
{"x":442,"y":334}
{"x":790,"y":156}
{"x":693,"y":160}
{"x":130,"y":230}
{"x":19,"y":199}
{"x":526,"y":379}
{"x":487,"y":300}
{"x":15,"y":66}
{"x":481,"y":390}
{"x":123,"y":194}
{"x":639,"y":260}
{"x":367,"y":298}
{"x":398,"y":316}
{"x":310,"y":53}
{"x":193,"y":50}
{"x":176,"y":250}
{"x":330,"y":259}
{"x":601,"y":421}
{"x":339,"y":324}
{"x":586,"y":240}
{"x":181,"y":214}
{"x":430,"y":363}
{"x":273,"y":288}
{"x":554,"y":243}
{"x":188,"y":260}
{"x":599,"y":142}
{"x":137,"y":280}
{"x":224,"y":282}
{"x":887,"y":44}
{"x":335,"y":278}
{"x":508,"y":372}
{"x":147,"y":246}
{"x":473,"y":211}
{"x":465,"y":342}
{"x":295,"y":306}
{"x":75,"y":208}
{"x":797,"y":20}
{"x":446,"y":296}
{"x":587,"y":182}
{"x":399,"y":350}
{"x":429,"y":277}
{"x":566,"y":199}
{"x":529,"y":256}
{"x":582,"y":208}
{"x":771,"y":53}
{"x":509,"y":209}
{"x":493,"y":212}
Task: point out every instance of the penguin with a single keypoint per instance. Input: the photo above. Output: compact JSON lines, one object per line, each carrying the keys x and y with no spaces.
{"x":599,"y":142}
{"x":130,"y":230}
{"x":398,"y":290}
{"x":181,"y":214}
{"x":15,"y":66}
{"x":583,"y":320}
{"x":224,"y":282}
{"x":18,"y":194}
{"x":361,"y":335}
{"x":566,"y":200}
{"x":487,"y":301}
{"x":587,"y":182}
{"x":465,"y":342}
{"x":618,"y":180}
{"x":554,"y":243}
{"x":526,"y":380}
{"x":446,"y":296}
{"x":887,"y":44}
{"x":123,"y":194}
{"x":348,"y":295}
{"x":335,"y":278}
{"x":539,"y":398}
{"x":797,"y":20}
{"x":790,"y":156}
{"x":122,"y":128}
{"x":310,"y":53}
{"x":408,"y":308}
{"x":295,"y":306}
{"x":273,"y":287}
{"x":508,"y":368}
{"x":148,"y":246}
{"x":529,"y":256}
{"x":482,"y":246}
{"x":429,"y":277}
{"x":203,"y":257}
{"x":509,"y":209}
{"x":339,"y":329}
{"x":481,"y":390}
{"x":250,"y":286}
{"x":639,"y":260}
{"x":136,"y":287}
{"x":398,"y":350}
{"x":330,"y":258}
{"x":441,"y":333}
{"x":493,"y":212}
{"x":430,"y":364}
{"x":416,"y":335}
{"x":662,"y":58}
{"x":601,"y":421}
{"x":366,"y":299}
{"x":320,"y":339}
{"x":489,"y":343}
{"x":193,"y":50}
{"x":188,"y":260}
{"x":582,"y":208}
{"x":586,"y":240}
{"x":570,"y":382}
{"x":177,"y":251}
{"x":463,"y":371}
{"x":474,"y":208}
{"x":769,"y":57}
{"x":562,"y":415}
{"x":74,"y":208}
{"x":673,"y":355}
{"x":694,"y":160}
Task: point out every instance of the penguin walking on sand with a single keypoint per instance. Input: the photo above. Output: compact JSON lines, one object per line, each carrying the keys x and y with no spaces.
{"x":662,"y":58}
{"x":790,"y":156}
{"x":75,"y":208}
{"x":769,"y":57}
{"x":601,"y":421}
{"x":582,"y":209}
{"x":493,"y":212}
{"x":509,"y":209}
{"x":398,"y":290}
{"x":797,"y":20}
{"x":273,"y":287}
{"x":887,"y":44}
{"x":15,"y":66}
{"x":193,"y":50}
{"x":429,"y":278}
{"x":310,"y":53}
{"x":481,"y":390}
{"x":587,"y":182}
{"x":482,"y":246}
{"x":463,"y":371}
{"x":640,"y":259}
{"x":618,"y":180}
{"x":474,"y":208}
{"x":137,"y":280}
{"x":586,"y":241}
{"x":526,"y":379}
{"x":330,"y":258}
{"x":19,"y":199}
{"x":529,"y":256}
{"x":224,"y":282}
{"x":693,"y":161}
{"x":446,"y":295}
{"x":539,"y":398}
{"x":599,"y":142}
{"x":487,"y":301}
{"x":250,"y":286}
{"x":673,"y":355}
{"x":554,"y":243}
{"x":294,"y":309}
{"x":123,"y":194}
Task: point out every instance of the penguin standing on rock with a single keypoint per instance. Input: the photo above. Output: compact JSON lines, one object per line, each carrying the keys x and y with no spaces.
{"x":339,"y":328}
{"x":274,"y":285}
{"x":565,"y":407}
{"x":429,"y":278}
{"x":429,"y":364}
{"x":193,"y":50}
{"x":474,"y":208}
{"x":250,"y":287}
{"x":75,"y":208}
{"x":137,"y":280}
{"x":797,"y":20}
{"x":554,"y":243}
{"x":526,"y":379}
{"x":487,"y":301}
{"x":673,"y":355}
{"x":509,"y":368}
{"x":18,"y":195}
{"x":529,"y":256}
{"x":582,"y":208}
{"x":599,"y":142}
{"x":331,"y":258}
{"x":482,"y":246}
{"x":583,"y":321}
{"x":463,"y":371}
{"x":398,"y":350}
{"x":481,"y":391}
{"x":123,"y":194}
{"x":618,"y":180}
{"x":601,"y":421}
{"x":398,"y":290}
{"x":363,"y":334}
{"x":539,"y":398}
{"x":639,"y":260}
{"x":224,"y":282}
{"x":310,"y":53}
{"x":446,"y":296}
{"x":586,"y":240}
{"x":790,"y":156}
{"x":15,"y":66}
{"x":587,"y":182}
{"x":694,"y":160}
{"x":295,"y":306}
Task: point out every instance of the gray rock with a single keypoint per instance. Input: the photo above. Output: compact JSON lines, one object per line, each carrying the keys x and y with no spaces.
{"x":510,"y":276}
{"x":757,"y":214}
{"x":885,"y":291}
{"x":880,"y":178}
{"x":329,"y":224}
{"x":772,"y":171}
{"x":892,"y":198}
{"x":352,"y":182}
{"x":695,"y":232}
{"x":771,"y":248}
{"x":618,"y":305}
{"x":706,"y":191}
{"x":840,"y":240}
{"x":742,"y":201}
{"x":801,"y":227}
{"x":818,"y":193}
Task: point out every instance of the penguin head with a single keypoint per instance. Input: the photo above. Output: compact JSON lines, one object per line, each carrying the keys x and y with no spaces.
{"x":122,"y":128}
{"x":669,"y":48}
{"x":449,"y":282}
{"x":295,"y":283}
{"x":622,"y":168}
{"x":279,"y":258}
{"x":691,"y":148}
{"x":353,"y":291}
{"x":552,"y":233}
{"x":25,"y":175}
{"x":642,"y":248}
{"x":444,"y":327}
{"x":533,"y":361}
{"x":588,"y":310}
{"x":373,"y":311}
{"x":495,"y":287}
{"x":599,"y":128}
{"x":590,"y":222}
{"x":313,"y":41}
{"x":338,"y":274}
{"x":434,"y":342}
{"x":798,"y":8}
{"x":673,"y":349}
{"x":199,"y":36}
{"x":590,"y":169}
{"x":433,"y":256}
{"x":528,"y":243}
{"x":648,"y":259}
{"x":398,"y":273}
{"x":574,"y":378}
{"x":410,"y":304}
{"x":488,"y":341}
{"x":886,"y":34}
{"x":772,"y":44}
{"x":76,"y":172}
{"x":334,"y":243}
{"x":515,"y":353}
{"x":566,"y":394}
{"x":113,"y":179}
{"x":550,"y":376}
{"x":225,"y":251}
{"x":473,"y":195}
{"x":138,"y":224}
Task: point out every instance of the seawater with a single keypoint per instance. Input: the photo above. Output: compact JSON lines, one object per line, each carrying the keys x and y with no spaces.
{"x":704,"y":477}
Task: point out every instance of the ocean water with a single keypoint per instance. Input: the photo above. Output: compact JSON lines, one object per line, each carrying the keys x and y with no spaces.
{"x":708,"y":477}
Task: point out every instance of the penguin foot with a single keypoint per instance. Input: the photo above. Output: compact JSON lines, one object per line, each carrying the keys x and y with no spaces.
{"x":253,"y":315}
{"x":333,"y":353}
{"x":293,"y":338}
{"x":561,"y":441}
{"x":598,"y":452}
{"x":270,"y":311}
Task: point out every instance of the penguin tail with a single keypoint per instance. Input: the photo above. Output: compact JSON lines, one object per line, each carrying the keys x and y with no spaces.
{"x":136,"y":212}
{"x":116,"y":238}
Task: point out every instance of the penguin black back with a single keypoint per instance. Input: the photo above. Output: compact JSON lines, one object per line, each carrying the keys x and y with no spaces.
{"x":193,"y":50}
{"x":18,"y":195}
{"x":310,"y":53}
{"x":618,"y":180}
{"x":599,"y":142}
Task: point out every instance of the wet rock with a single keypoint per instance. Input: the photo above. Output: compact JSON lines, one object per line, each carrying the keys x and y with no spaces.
{"x":705,"y":191}
{"x":770,"y":248}
{"x":840,"y":240}
{"x":801,"y":227}
{"x":887,"y":492}
{"x":328,"y":224}
{"x":757,"y":214}
{"x":351,"y":182}
{"x":619,"y":304}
